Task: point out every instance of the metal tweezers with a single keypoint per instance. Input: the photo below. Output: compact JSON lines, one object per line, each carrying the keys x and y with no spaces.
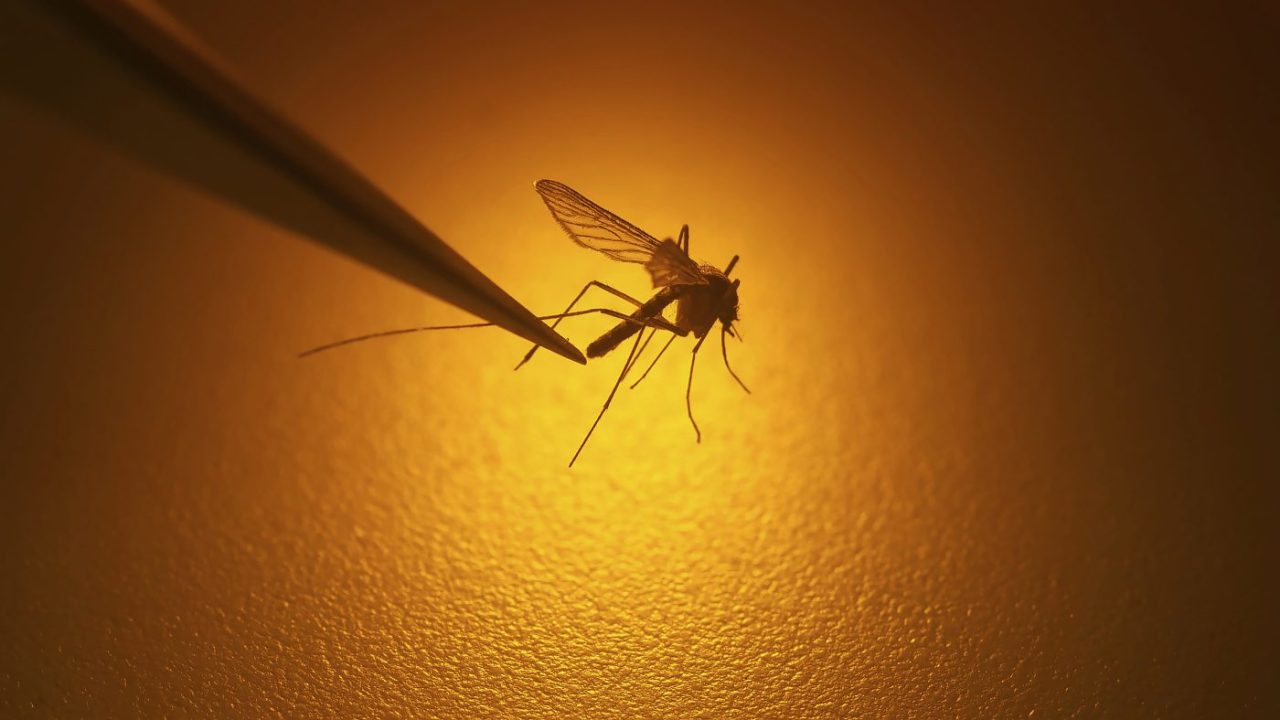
{"x":130,"y":74}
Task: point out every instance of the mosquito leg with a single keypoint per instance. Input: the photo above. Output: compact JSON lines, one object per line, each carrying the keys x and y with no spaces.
{"x":724,"y":352}
{"x":645,"y":344}
{"x":576,"y":298}
{"x":653,"y":322}
{"x":625,"y":368}
{"x":655,"y":361}
{"x":657,"y":323}
{"x":688,"y":391}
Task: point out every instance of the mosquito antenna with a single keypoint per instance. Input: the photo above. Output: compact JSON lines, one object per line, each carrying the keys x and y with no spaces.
{"x":724,"y":352}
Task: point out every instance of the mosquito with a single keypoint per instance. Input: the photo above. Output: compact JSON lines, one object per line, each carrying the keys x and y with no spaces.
{"x":703,"y":295}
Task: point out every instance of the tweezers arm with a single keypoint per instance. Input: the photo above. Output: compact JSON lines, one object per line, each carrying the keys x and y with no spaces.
{"x":131,"y":75}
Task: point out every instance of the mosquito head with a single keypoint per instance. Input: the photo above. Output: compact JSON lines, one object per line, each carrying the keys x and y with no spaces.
{"x":729,"y":305}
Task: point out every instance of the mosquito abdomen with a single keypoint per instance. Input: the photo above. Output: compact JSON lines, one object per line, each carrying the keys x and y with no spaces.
{"x":605,"y":344}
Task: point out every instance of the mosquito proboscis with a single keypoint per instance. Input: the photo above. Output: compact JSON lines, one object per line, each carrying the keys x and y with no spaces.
{"x":703,"y":294}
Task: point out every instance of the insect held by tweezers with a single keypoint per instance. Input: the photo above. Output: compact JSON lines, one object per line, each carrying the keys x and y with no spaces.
{"x":703,"y":294}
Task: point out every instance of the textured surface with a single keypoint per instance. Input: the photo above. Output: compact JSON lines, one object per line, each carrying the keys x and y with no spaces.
{"x":1009,"y":322}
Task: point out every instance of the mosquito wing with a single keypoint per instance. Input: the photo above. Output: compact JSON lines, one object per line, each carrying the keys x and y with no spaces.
{"x":593,"y":227}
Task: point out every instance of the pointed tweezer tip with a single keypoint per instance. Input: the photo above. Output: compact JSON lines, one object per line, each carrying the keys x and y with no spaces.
{"x":569,"y":351}
{"x":542,"y":335}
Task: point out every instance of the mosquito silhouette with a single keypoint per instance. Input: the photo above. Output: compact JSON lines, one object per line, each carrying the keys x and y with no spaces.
{"x":703,"y":294}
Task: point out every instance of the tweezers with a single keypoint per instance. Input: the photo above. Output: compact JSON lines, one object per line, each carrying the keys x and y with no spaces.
{"x":132,"y":75}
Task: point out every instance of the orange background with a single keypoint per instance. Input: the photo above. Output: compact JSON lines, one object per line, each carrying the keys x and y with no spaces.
{"x":1009,"y":308}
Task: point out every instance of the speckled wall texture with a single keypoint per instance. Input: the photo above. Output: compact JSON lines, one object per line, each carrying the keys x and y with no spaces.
{"x":1009,"y":303}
